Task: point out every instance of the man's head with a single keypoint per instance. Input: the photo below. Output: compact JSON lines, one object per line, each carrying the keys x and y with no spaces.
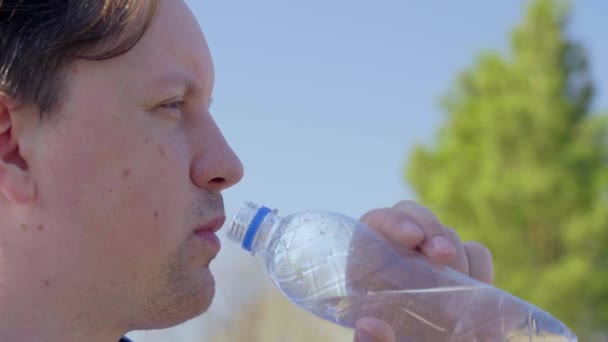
{"x":100,"y":199}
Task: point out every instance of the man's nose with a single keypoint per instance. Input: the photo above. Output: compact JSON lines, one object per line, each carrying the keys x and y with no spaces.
{"x":215,"y":166}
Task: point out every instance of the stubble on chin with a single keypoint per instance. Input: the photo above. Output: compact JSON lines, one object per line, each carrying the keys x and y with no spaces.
{"x":185,"y":294}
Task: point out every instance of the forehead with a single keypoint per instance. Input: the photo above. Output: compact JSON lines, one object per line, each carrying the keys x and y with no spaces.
{"x":173,"y":49}
{"x":171,"y":59}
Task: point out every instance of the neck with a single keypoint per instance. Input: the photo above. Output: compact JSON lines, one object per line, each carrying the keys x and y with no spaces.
{"x":36,"y":327}
{"x":30,"y":315}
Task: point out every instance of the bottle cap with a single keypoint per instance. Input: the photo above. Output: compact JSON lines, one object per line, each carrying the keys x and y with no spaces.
{"x":246,"y":223}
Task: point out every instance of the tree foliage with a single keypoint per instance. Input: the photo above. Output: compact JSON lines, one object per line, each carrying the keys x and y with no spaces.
{"x":521,"y":165}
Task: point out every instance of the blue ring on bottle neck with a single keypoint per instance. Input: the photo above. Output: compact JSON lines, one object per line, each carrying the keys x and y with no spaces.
{"x":254,"y":226}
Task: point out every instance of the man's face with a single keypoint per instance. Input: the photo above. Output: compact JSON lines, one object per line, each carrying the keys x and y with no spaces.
{"x":126,"y":171}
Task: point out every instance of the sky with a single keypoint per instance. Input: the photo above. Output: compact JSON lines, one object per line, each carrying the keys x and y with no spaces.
{"x":323,"y":100}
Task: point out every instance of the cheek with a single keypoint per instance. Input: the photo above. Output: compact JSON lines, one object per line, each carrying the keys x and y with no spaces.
{"x":122,"y":198}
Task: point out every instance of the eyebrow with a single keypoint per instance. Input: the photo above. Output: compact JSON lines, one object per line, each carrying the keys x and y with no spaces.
{"x":178,"y":80}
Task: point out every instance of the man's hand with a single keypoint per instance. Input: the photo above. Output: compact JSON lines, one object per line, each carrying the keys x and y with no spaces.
{"x":407,"y":225}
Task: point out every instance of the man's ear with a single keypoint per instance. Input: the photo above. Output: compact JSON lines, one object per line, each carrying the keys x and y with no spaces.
{"x":16,"y":184}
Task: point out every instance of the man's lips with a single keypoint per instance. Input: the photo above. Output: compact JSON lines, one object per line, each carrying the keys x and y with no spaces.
{"x":206,"y":233}
{"x":212,"y":226}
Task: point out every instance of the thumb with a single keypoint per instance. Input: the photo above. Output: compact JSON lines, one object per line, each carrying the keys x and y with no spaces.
{"x":369,"y":329}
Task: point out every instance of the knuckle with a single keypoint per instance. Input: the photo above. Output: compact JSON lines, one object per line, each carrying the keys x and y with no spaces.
{"x":405,"y":205}
{"x":411,"y":207}
{"x":372,"y":215}
{"x":430,"y":222}
{"x":422,"y":215}
{"x":451,"y":234}
{"x":479,"y":250}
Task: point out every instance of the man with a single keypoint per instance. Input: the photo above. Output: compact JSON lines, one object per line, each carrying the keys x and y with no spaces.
{"x":111,"y":173}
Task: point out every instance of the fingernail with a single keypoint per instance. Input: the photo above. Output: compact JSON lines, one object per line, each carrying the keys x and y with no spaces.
{"x":443,"y":245}
{"x":363,"y":336}
{"x":412,"y":228}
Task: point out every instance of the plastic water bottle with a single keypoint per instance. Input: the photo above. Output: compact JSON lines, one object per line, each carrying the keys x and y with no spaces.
{"x":338,"y":269}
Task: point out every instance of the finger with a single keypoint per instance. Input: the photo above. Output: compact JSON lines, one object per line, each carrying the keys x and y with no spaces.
{"x":460,"y":260}
{"x":394,"y":227}
{"x":480,"y":262}
{"x":371,"y":329}
{"x":435,"y":245}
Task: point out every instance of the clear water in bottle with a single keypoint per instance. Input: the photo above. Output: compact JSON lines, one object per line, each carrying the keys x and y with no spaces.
{"x":335,"y":267}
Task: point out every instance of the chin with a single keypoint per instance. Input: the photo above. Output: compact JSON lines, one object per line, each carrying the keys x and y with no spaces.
{"x":182,"y":302}
{"x":198,"y":300}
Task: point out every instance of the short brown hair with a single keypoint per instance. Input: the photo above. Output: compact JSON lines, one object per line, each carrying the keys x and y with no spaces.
{"x":39,"y":39}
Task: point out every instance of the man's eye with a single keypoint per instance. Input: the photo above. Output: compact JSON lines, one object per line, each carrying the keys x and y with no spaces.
{"x":175,"y":105}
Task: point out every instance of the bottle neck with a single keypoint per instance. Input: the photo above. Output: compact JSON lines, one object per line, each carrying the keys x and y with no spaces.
{"x":253,"y":226}
{"x":263,"y":235}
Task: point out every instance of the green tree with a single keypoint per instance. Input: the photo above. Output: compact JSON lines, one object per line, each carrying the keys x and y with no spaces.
{"x":521,"y":165}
